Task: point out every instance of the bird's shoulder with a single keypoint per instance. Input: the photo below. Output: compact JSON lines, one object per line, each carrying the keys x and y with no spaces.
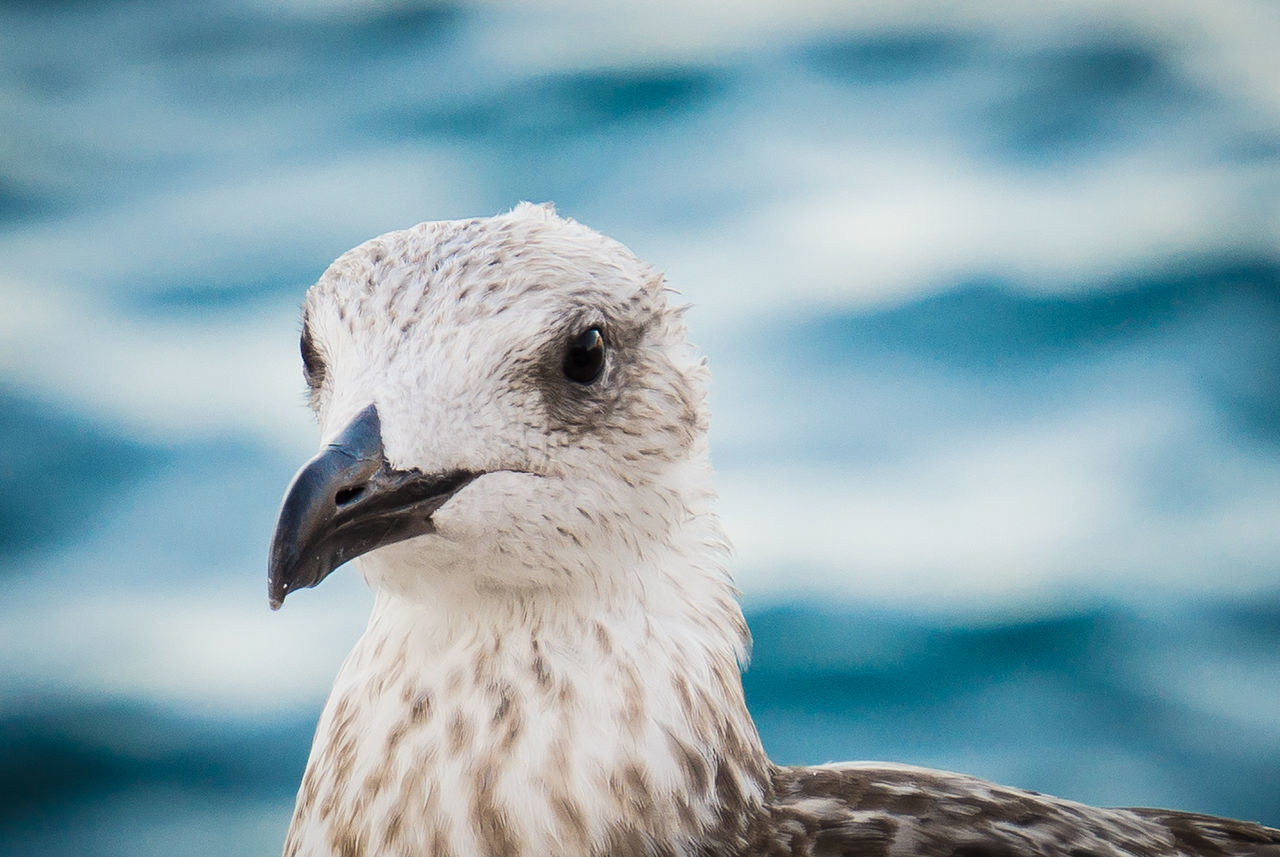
{"x":882,"y":810}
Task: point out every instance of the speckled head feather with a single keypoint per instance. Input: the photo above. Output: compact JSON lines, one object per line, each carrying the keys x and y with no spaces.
{"x":457,"y":332}
{"x":552,"y":663}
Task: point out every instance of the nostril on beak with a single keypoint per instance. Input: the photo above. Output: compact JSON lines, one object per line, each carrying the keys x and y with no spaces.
{"x":347,"y":496}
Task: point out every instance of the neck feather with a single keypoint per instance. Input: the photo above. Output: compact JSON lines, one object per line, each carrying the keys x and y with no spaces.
{"x":544,"y":724}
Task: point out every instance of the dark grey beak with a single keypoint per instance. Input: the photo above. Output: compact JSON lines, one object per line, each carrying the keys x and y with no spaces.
{"x":348,"y":501}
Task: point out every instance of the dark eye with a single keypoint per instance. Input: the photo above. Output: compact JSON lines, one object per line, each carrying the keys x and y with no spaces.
{"x":312,"y":365}
{"x":584,"y":358}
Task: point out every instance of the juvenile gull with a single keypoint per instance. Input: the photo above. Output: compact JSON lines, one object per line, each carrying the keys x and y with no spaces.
{"x":515,"y":439}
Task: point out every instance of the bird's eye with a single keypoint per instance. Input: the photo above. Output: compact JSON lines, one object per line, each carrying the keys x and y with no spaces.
{"x":312,"y":364}
{"x":584,"y":358}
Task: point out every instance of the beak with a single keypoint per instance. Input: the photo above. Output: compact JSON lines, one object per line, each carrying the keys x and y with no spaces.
{"x":347,"y":501}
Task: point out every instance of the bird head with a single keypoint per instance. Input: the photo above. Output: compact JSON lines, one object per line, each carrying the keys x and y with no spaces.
{"x":504,"y":403}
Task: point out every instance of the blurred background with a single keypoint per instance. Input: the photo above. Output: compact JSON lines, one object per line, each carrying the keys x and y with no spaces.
{"x":991,"y":294}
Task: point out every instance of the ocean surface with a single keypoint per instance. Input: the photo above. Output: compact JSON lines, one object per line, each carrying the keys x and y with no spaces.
{"x":990,"y":293}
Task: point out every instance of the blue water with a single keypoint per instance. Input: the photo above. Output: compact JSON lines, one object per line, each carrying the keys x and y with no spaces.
{"x":992,"y":304}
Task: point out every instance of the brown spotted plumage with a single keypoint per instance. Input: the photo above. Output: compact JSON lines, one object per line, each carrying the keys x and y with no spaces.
{"x":552,"y":664}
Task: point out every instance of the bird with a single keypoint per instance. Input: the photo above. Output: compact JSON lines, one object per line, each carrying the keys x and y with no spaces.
{"x":514,"y":449}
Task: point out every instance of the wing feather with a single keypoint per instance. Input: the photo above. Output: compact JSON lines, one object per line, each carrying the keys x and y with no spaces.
{"x":878,"y":810}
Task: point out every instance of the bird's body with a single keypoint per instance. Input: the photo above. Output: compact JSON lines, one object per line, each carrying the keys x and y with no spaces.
{"x":516,"y":438}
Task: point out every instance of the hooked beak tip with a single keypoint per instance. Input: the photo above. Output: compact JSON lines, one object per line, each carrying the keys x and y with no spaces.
{"x":275,"y":594}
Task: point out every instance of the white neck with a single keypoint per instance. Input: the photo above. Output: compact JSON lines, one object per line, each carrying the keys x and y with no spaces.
{"x":549,"y":723}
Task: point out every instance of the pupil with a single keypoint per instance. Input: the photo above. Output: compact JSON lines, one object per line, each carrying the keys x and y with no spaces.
{"x":584,"y":359}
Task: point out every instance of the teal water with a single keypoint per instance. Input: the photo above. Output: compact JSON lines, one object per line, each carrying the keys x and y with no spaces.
{"x":992,"y":304}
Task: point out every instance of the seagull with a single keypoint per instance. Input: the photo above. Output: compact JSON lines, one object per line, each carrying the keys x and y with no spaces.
{"x":515,"y":446}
